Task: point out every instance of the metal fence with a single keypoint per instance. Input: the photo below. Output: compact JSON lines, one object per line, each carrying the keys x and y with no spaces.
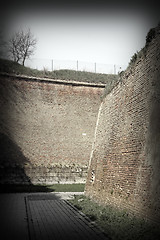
{"x":52,"y":64}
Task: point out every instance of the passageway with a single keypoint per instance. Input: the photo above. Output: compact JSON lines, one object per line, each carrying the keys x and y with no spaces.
{"x":44,"y":216}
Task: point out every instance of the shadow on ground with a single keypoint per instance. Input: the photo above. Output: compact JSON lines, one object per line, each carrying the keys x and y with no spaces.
{"x":18,"y":188}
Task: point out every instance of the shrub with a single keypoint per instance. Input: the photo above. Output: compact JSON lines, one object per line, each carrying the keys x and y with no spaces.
{"x":151,"y":34}
{"x":133,"y":59}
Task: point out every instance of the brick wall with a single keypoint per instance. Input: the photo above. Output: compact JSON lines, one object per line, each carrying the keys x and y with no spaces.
{"x":47,"y":128}
{"x":125,"y":159}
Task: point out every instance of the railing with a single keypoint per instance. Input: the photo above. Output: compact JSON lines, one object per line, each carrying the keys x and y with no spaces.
{"x":52,"y":64}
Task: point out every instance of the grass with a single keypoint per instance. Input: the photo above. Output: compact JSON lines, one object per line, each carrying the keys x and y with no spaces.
{"x":19,"y":188}
{"x":109,"y":87}
{"x":110,"y":80}
{"x":75,"y":187}
{"x":118,"y":225}
{"x":142,"y":53}
{"x":11,"y":67}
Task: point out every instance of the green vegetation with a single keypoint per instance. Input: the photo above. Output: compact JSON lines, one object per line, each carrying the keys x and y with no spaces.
{"x":11,"y":67}
{"x":151,"y":35}
{"x":118,"y":225}
{"x":109,"y":86}
{"x":13,"y":188}
{"x":75,"y":187}
{"x":142,"y":53}
{"x":110,"y":80}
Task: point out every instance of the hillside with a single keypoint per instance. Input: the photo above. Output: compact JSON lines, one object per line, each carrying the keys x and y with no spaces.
{"x":8,"y":66}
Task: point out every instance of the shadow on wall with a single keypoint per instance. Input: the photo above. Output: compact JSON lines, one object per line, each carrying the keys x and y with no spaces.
{"x":153,"y":155}
{"x":12,"y":162}
{"x":12,"y":173}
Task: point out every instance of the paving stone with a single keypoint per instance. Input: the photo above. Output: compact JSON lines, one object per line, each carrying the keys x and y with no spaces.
{"x":44,"y":216}
{"x":13,"y":218}
{"x":57,"y":219}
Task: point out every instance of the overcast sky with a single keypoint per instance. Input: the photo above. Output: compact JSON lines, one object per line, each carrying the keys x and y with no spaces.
{"x":104,"y":33}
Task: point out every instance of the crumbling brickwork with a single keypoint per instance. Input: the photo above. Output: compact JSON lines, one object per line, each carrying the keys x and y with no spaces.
{"x":125,"y":160}
{"x":47,"y":129}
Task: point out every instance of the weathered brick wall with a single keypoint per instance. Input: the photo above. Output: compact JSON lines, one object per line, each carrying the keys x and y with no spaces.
{"x":47,"y":128}
{"x":125,"y":162}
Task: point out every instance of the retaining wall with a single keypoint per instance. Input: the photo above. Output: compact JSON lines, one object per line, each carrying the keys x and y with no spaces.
{"x":47,"y":128}
{"x":125,"y":159}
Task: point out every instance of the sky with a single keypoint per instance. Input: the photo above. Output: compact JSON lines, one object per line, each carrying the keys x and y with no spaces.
{"x":107,"y":33}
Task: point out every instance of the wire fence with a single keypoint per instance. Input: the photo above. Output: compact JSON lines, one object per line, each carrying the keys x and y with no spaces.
{"x":52,"y":64}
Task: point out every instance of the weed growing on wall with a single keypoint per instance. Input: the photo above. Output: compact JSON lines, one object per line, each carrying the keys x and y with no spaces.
{"x":111,"y":84}
{"x":151,"y":34}
{"x":142,"y":53}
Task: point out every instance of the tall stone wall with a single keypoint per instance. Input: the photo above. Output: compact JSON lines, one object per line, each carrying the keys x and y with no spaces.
{"x":46,"y":129}
{"x":124,"y":167}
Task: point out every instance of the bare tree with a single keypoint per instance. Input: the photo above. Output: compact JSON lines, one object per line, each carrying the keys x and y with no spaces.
{"x":15,"y":46}
{"x":22,"y":45}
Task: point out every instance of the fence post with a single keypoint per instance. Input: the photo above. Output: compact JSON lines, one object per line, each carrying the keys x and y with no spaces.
{"x":52,"y":65}
{"x":95,"y":67}
{"x":114,"y":69}
{"x":77,"y":65}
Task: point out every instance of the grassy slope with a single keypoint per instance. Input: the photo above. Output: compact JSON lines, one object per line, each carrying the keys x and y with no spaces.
{"x":118,"y":225}
{"x":15,"y":68}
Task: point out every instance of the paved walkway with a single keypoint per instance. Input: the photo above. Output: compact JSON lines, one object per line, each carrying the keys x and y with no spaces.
{"x":45,"y":216}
